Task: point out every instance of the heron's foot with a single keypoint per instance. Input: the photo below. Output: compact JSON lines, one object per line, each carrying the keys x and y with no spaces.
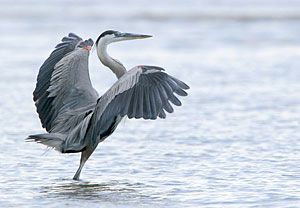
{"x":77,"y":175}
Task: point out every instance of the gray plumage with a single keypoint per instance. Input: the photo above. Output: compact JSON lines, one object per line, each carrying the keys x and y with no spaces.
{"x":70,"y":109}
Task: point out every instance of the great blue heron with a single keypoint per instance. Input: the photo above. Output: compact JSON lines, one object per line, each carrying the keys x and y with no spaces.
{"x":75,"y":118}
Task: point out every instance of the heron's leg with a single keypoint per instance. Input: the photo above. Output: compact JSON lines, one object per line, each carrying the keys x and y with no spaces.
{"x":84,"y":157}
{"x":77,"y":174}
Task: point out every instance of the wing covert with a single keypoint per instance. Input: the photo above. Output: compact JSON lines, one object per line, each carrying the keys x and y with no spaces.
{"x":143,"y":92}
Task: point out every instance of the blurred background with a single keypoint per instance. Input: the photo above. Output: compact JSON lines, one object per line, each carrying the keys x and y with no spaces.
{"x":233,"y":143}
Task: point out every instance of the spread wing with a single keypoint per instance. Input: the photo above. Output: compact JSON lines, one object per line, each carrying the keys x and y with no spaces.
{"x":143,"y":92}
{"x":63,"y":82}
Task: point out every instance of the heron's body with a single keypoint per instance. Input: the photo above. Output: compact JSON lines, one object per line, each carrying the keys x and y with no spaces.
{"x":70,"y":109}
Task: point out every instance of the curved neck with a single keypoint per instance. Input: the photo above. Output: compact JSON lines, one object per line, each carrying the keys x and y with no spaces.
{"x":117,"y":68}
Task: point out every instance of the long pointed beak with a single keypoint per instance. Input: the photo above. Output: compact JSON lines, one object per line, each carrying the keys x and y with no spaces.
{"x":131,"y":36}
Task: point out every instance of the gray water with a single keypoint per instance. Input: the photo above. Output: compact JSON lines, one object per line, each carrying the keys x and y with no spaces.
{"x":233,"y":143}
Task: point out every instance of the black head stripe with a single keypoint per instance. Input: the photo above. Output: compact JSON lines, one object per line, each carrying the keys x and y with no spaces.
{"x":108,"y":32}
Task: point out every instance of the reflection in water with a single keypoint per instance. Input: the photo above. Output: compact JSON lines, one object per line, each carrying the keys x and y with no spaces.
{"x":113,"y":192}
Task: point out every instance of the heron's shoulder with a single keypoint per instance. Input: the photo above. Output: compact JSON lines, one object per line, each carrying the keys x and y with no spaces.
{"x":132,"y":78}
{"x":75,"y":56}
{"x":69,"y":42}
{"x":74,"y":45}
{"x":140,"y":73}
{"x":146,"y":69}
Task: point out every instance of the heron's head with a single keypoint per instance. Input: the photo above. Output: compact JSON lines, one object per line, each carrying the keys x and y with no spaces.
{"x":111,"y":36}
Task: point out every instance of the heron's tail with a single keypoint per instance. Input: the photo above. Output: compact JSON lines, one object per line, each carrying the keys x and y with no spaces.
{"x":53,"y":140}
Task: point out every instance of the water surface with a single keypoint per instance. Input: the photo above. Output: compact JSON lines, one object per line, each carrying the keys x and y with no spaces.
{"x":233,"y":143}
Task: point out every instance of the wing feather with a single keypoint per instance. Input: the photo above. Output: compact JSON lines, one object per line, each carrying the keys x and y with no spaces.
{"x":140,"y":105}
{"x":153,"y":103}
{"x":162,"y":114}
{"x":147,"y":111}
{"x":54,"y":88}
